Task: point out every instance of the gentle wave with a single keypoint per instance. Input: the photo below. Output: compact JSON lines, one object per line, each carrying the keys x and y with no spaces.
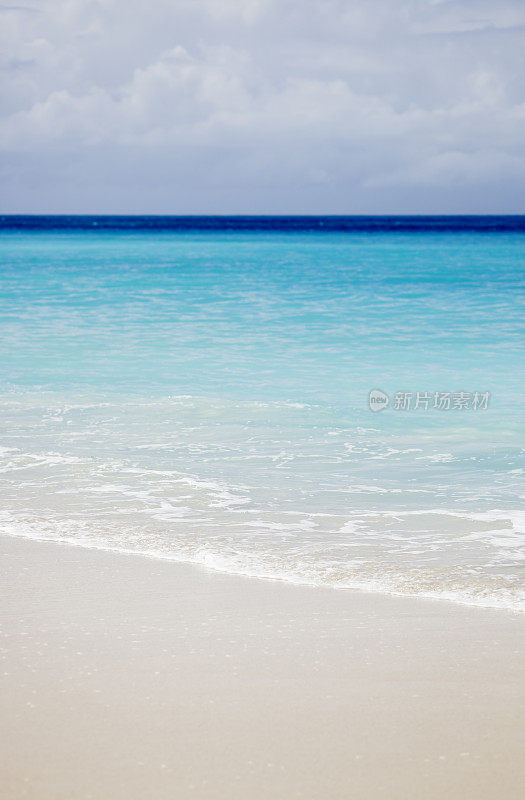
{"x":312,"y":567}
{"x":473,"y":557}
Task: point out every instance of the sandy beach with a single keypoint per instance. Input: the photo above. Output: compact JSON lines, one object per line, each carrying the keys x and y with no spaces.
{"x":127,"y":677}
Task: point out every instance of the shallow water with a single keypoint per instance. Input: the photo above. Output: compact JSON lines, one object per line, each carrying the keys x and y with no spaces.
{"x":202,"y":395}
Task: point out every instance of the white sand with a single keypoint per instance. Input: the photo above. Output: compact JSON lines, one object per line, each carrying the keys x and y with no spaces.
{"x":129,"y":678}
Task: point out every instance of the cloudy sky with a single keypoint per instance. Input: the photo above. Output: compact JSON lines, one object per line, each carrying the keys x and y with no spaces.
{"x":262,"y":106}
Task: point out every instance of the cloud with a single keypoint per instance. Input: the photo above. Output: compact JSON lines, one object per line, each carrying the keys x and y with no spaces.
{"x":327,"y":103}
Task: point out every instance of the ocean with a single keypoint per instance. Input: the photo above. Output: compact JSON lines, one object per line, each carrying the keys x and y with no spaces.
{"x":198,"y":389}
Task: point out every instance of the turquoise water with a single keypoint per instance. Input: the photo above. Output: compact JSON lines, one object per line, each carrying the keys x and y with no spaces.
{"x":202,"y":395}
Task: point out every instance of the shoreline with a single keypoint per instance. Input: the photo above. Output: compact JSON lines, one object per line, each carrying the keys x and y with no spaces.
{"x":133,"y":678}
{"x":213,"y":570}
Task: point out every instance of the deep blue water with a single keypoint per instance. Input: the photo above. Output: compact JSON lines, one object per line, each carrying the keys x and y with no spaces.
{"x":284,"y":224}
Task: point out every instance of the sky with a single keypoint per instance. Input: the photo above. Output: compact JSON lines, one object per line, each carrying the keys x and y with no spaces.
{"x":262,"y":106}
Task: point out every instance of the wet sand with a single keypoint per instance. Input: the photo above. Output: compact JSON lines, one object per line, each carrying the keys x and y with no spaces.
{"x":125,"y":677}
